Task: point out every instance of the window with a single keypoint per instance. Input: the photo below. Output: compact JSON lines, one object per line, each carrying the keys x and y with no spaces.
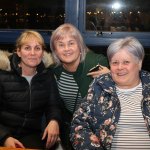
{"x":100,"y":33}
{"x":18,"y":15}
{"x":120,"y":15}
{"x":100,"y":23}
{"x":23,"y":14}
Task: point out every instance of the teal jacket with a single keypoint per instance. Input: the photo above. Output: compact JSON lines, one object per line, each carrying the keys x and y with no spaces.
{"x":80,"y":76}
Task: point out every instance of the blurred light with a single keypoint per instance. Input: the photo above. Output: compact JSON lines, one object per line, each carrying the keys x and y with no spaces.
{"x":116,"y":6}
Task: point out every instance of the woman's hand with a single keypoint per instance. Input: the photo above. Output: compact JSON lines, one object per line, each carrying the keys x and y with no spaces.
{"x":52,"y":133}
{"x":13,"y":143}
{"x":102,"y":70}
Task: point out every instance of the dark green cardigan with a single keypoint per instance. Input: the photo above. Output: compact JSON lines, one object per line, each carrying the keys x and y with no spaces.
{"x":80,"y":76}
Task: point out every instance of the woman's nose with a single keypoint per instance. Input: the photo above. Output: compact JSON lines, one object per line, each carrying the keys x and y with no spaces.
{"x":120,"y":66}
{"x":66,"y":47}
{"x":32,"y":51}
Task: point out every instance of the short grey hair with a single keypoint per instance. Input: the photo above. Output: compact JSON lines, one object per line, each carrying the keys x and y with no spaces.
{"x":61,"y":32}
{"x":132,"y":45}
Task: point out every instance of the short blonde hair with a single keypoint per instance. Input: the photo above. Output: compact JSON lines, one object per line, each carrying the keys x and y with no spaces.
{"x":27,"y":34}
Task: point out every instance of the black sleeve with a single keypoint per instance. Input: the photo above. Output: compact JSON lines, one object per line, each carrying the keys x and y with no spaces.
{"x":53,"y":111}
{"x":4,"y":133}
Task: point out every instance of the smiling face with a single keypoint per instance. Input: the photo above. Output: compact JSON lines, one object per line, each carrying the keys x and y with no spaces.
{"x":68,"y":51}
{"x":31,"y":54}
{"x":125,"y":69}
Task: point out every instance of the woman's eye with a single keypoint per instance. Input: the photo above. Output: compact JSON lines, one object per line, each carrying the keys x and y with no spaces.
{"x":71,"y":43}
{"x":114,"y":63}
{"x":126,"y":62}
{"x":38,"y":48}
{"x":27,"y":48}
{"x":60,"y":45}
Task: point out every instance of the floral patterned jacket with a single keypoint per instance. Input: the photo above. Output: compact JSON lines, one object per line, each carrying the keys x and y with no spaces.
{"x":94,"y":123}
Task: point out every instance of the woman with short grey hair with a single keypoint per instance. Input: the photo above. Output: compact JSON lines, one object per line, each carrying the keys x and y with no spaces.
{"x":115,"y":114}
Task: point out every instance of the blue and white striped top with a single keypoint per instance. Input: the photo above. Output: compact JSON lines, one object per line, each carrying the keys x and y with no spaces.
{"x":131,"y":132}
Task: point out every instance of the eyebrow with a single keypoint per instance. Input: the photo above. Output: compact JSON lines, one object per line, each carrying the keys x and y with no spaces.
{"x":30,"y":45}
{"x":67,"y":41}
